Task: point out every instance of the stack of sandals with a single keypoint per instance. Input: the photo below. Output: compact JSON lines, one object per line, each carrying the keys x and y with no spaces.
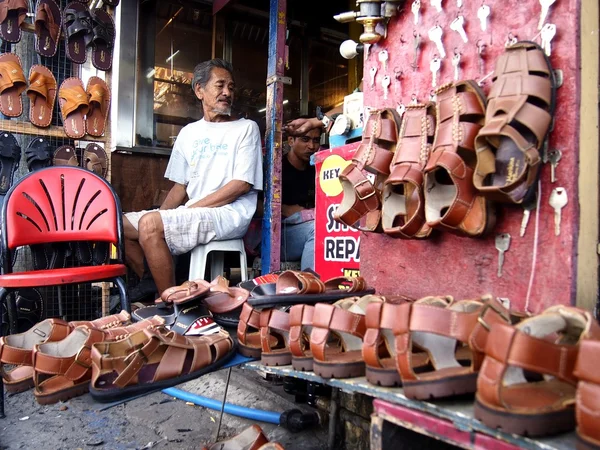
{"x":441,"y":166}
{"x":111,"y":357}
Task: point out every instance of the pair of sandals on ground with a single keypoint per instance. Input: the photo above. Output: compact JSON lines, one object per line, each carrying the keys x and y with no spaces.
{"x":82,"y":110}
{"x":81,"y":28}
{"x":443,"y":165}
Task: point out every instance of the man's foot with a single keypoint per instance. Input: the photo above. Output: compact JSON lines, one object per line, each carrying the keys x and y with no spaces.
{"x":144,"y":290}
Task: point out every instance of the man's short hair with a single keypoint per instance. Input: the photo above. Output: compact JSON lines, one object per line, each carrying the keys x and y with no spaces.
{"x":203,"y":71}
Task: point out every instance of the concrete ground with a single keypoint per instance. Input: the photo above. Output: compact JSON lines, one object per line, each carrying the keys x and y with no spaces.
{"x":154,"y":421}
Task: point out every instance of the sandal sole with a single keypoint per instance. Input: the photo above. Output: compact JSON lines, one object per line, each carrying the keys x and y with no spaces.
{"x":584,"y":444}
{"x":445,"y":387}
{"x":249,"y":352}
{"x":345,"y":370}
{"x":62,"y":396}
{"x":538,"y":424}
{"x":383,"y":377}
{"x":303,"y":364}
{"x":272,"y":301}
{"x":113,"y":395}
{"x":276,"y":359}
{"x":19,"y":386}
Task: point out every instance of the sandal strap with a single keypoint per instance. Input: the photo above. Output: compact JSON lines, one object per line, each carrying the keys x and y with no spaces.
{"x":357,"y":284}
{"x":10,"y":150}
{"x":104,"y":33}
{"x":11,"y":75}
{"x":249,"y":318}
{"x":302,"y":282}
{"x":45,"y":19}
{"x":39,"y":84}
{"x":10,"y":5}
{"x":97,"y":95}
{"x":380,"y":316}
{"x":329,"y":318}
{"x":76,"y":98}
{"x":93,"y":162}
{"x":300,"y":316}
{"x":366,"y":200}
{"x":276,"y":320}
{"x":586,"y":368}
{"x":78,"y":22}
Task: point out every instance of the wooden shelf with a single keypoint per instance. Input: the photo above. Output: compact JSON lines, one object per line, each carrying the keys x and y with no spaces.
{"x":19,"y":127}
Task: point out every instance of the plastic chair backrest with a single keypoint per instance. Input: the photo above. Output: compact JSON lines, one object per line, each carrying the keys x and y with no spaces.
{"x":60,"y":204}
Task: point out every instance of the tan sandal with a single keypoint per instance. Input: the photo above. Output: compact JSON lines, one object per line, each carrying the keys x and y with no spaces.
{"x":274,"y":338}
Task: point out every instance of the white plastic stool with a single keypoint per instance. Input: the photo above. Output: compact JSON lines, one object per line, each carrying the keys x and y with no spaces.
{"x":200,"y":253}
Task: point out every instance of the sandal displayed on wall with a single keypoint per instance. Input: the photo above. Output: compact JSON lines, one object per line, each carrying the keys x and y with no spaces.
{"x":99,"y":95}
{"x":10,"y":156}
{"x":12,"y":15}
{"x":74,"y":105}
{"x":30,"y":308}
{"x":38,"y":154}
{"x":95,"y":160}
{"x":48,"y":21}
{"x":12,"y":84}
{"x":518,"y":120}
{"x":42,"y":95}
{"x":78,"y":32}
{"x":403,"y":202}
{"x":363,"y":179}
{"x":154,"y":359}
{"x":451,"y":201}
{"x":103,"y":39}
{"x":65,"y":156}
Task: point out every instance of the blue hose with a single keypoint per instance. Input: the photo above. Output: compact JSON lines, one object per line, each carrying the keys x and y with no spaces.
{"x":240,"y":411}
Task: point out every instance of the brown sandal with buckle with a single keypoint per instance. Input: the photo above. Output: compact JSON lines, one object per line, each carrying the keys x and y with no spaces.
{"x":42,"y":95}
{"x":517,"y":122}
{"x":95,"y":160}
{"x":12,"y":84}
{"x":74,"y":105}
{"x":62,"y":369}
{"x":12,"y":15}
{"x":248,"y":333}
{"x":48,"y":21}
{"x":275,"y":326}
{"x":588,"y":395}
{"x":546,"y":344}
{"x":438,"y":326}
{"x":362,"y":180}
{"x":16,"y":349}
{"x":451,"y":200}
{"x":403,"y":209}
{"x":301,"y":318}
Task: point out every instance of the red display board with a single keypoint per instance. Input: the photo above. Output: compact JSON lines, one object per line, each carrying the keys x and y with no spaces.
{"x":336,"y":245}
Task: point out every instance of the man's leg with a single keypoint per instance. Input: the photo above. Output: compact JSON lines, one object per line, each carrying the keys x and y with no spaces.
{"x":308,"y":253}
{"x":134,"y":254}
{"x":152,"y":241}
{"x":298,"y":243}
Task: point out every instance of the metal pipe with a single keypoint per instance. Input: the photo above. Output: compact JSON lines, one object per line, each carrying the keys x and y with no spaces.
{"x":333,"y":419}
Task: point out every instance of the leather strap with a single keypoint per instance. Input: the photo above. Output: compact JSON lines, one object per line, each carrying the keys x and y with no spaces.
{"x":11,"y":75}
{"x":45,"y":19}
{"x":97,"y":98}
{"x":273,"y":320}
{"x":10,"y":5}
{"x":39,"y":84}
{"x":76,"y":99}
{"x":300,"y":316}
{"x":357,"y":284}
{"x":293,"y":282}
{"x":249,"y":319}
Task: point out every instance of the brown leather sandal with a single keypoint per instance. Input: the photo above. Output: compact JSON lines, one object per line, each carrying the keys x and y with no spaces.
{"x":12,"y":15}
{"x":252,"y":438}
{"x":301,"y":318}
{"x":274,"y":338}
{"x":438,"y":326}
{"x":65,"y":155}
{"x":345,"y":320}
{"x":403,"y":202}
{"x":451,"y":200}
{"x":42,"y":95}
{"x":99,"y":95}
{"x":74,"y":105}
{"x":12,"y":84}
{"x":95,"y":160}
{"x":16,"y":349}
{"x":62,"y":369}
{"x":588,"y":396}
{"x":362,"y":181}
{"x":547,"y":344}
{"x":154,"y":359}
{"x":48,"y":21}
{"x":518,"y":120}
{"x":248,"y":333}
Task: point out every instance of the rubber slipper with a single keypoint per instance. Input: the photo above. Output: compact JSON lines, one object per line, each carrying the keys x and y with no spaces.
{"x":103,"y":39}
{"x":99,"y":95}
{"x":77,"y":27}
{"x":12,"y":15}
{"x":74,"y":105}
{"x":95,"y":160}
{"x":519,"y":118}
{"x":192,"y":320}
{"x":65,"y":156}
{"x":42,"y":95}
{"x":30,"y":308}
{"x":10,"y":156}
{"x":12,"y":84}
{"x":48,"y":22}
{"x":50,"y":256}
{"x":37,"y":154}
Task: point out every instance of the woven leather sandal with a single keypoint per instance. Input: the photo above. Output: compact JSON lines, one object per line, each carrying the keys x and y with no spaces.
{"x":248,"y":332}
{"x":451,"y":201}
{"x":274,"y":338}
{"x":547,"y":344}
{"x":438,"y":326}
{"x":363,"y":179}
{"x":16,"y":349}
{"x":153,"y":359}
{"x":345,"y":320}
{"x":301,"y":318}
{"x":588,"y":396}
{"x":518,"y":120}
{"x":403,"y":202}
{"x":62,"y":369}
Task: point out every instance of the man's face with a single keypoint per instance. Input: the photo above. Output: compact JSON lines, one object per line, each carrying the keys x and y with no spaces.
{"x":217,"y":95}
{"x":304,"y":146}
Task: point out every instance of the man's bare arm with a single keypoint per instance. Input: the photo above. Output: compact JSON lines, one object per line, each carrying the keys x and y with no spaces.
{"x":224,"y":196}
{"x":175,"y":197}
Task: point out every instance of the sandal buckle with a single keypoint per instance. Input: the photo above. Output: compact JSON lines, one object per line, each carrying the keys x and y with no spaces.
{"x":489,"y":305}
{"x":129,"y":358}
{"x":78,"y":361}
{"x":360,"y":183}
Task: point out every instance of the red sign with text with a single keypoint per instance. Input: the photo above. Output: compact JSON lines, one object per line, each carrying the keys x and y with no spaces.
{"x":336,"y":245}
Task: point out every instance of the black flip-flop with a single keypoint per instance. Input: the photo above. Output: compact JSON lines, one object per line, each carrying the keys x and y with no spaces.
{"x":38,"y":154}
{"x":30,"y":308}
{"x":10,"y":156}
{"x":193,"y":320}
{"x":103,"y":39}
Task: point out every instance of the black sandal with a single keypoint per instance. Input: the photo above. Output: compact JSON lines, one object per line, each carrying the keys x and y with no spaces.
{"x":38,"y":154}
{"x":103,"y":39}
{"x":10,"y":156}
{"x":78,"y":29}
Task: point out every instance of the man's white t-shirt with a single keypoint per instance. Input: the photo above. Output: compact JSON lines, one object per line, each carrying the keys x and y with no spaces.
{"x":207,"y":156}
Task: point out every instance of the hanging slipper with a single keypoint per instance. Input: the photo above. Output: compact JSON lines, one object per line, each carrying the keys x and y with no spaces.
{"x":518,"y":120}
{"x":65,"y":156}
{"x":12,"y":15}
{"x":95,"y":160}
{"x":12,"y":84}
{"x":74,"y":105}
{"x":42,"y":95}
{"x":103,"y":39}
{"x":403,"y":201}
{"x":77,"y":26}
{"x":10,"y":156}
{"x":111,"y":2}
{"x":38,"y":154}
{"x":30,"y":308}
{"x":48,"y":21}
{"x":99,"y":95}
{"x":451,"y":201}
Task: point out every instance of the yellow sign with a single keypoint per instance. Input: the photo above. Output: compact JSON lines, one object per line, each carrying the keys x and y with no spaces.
{"x":330,"y":171}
